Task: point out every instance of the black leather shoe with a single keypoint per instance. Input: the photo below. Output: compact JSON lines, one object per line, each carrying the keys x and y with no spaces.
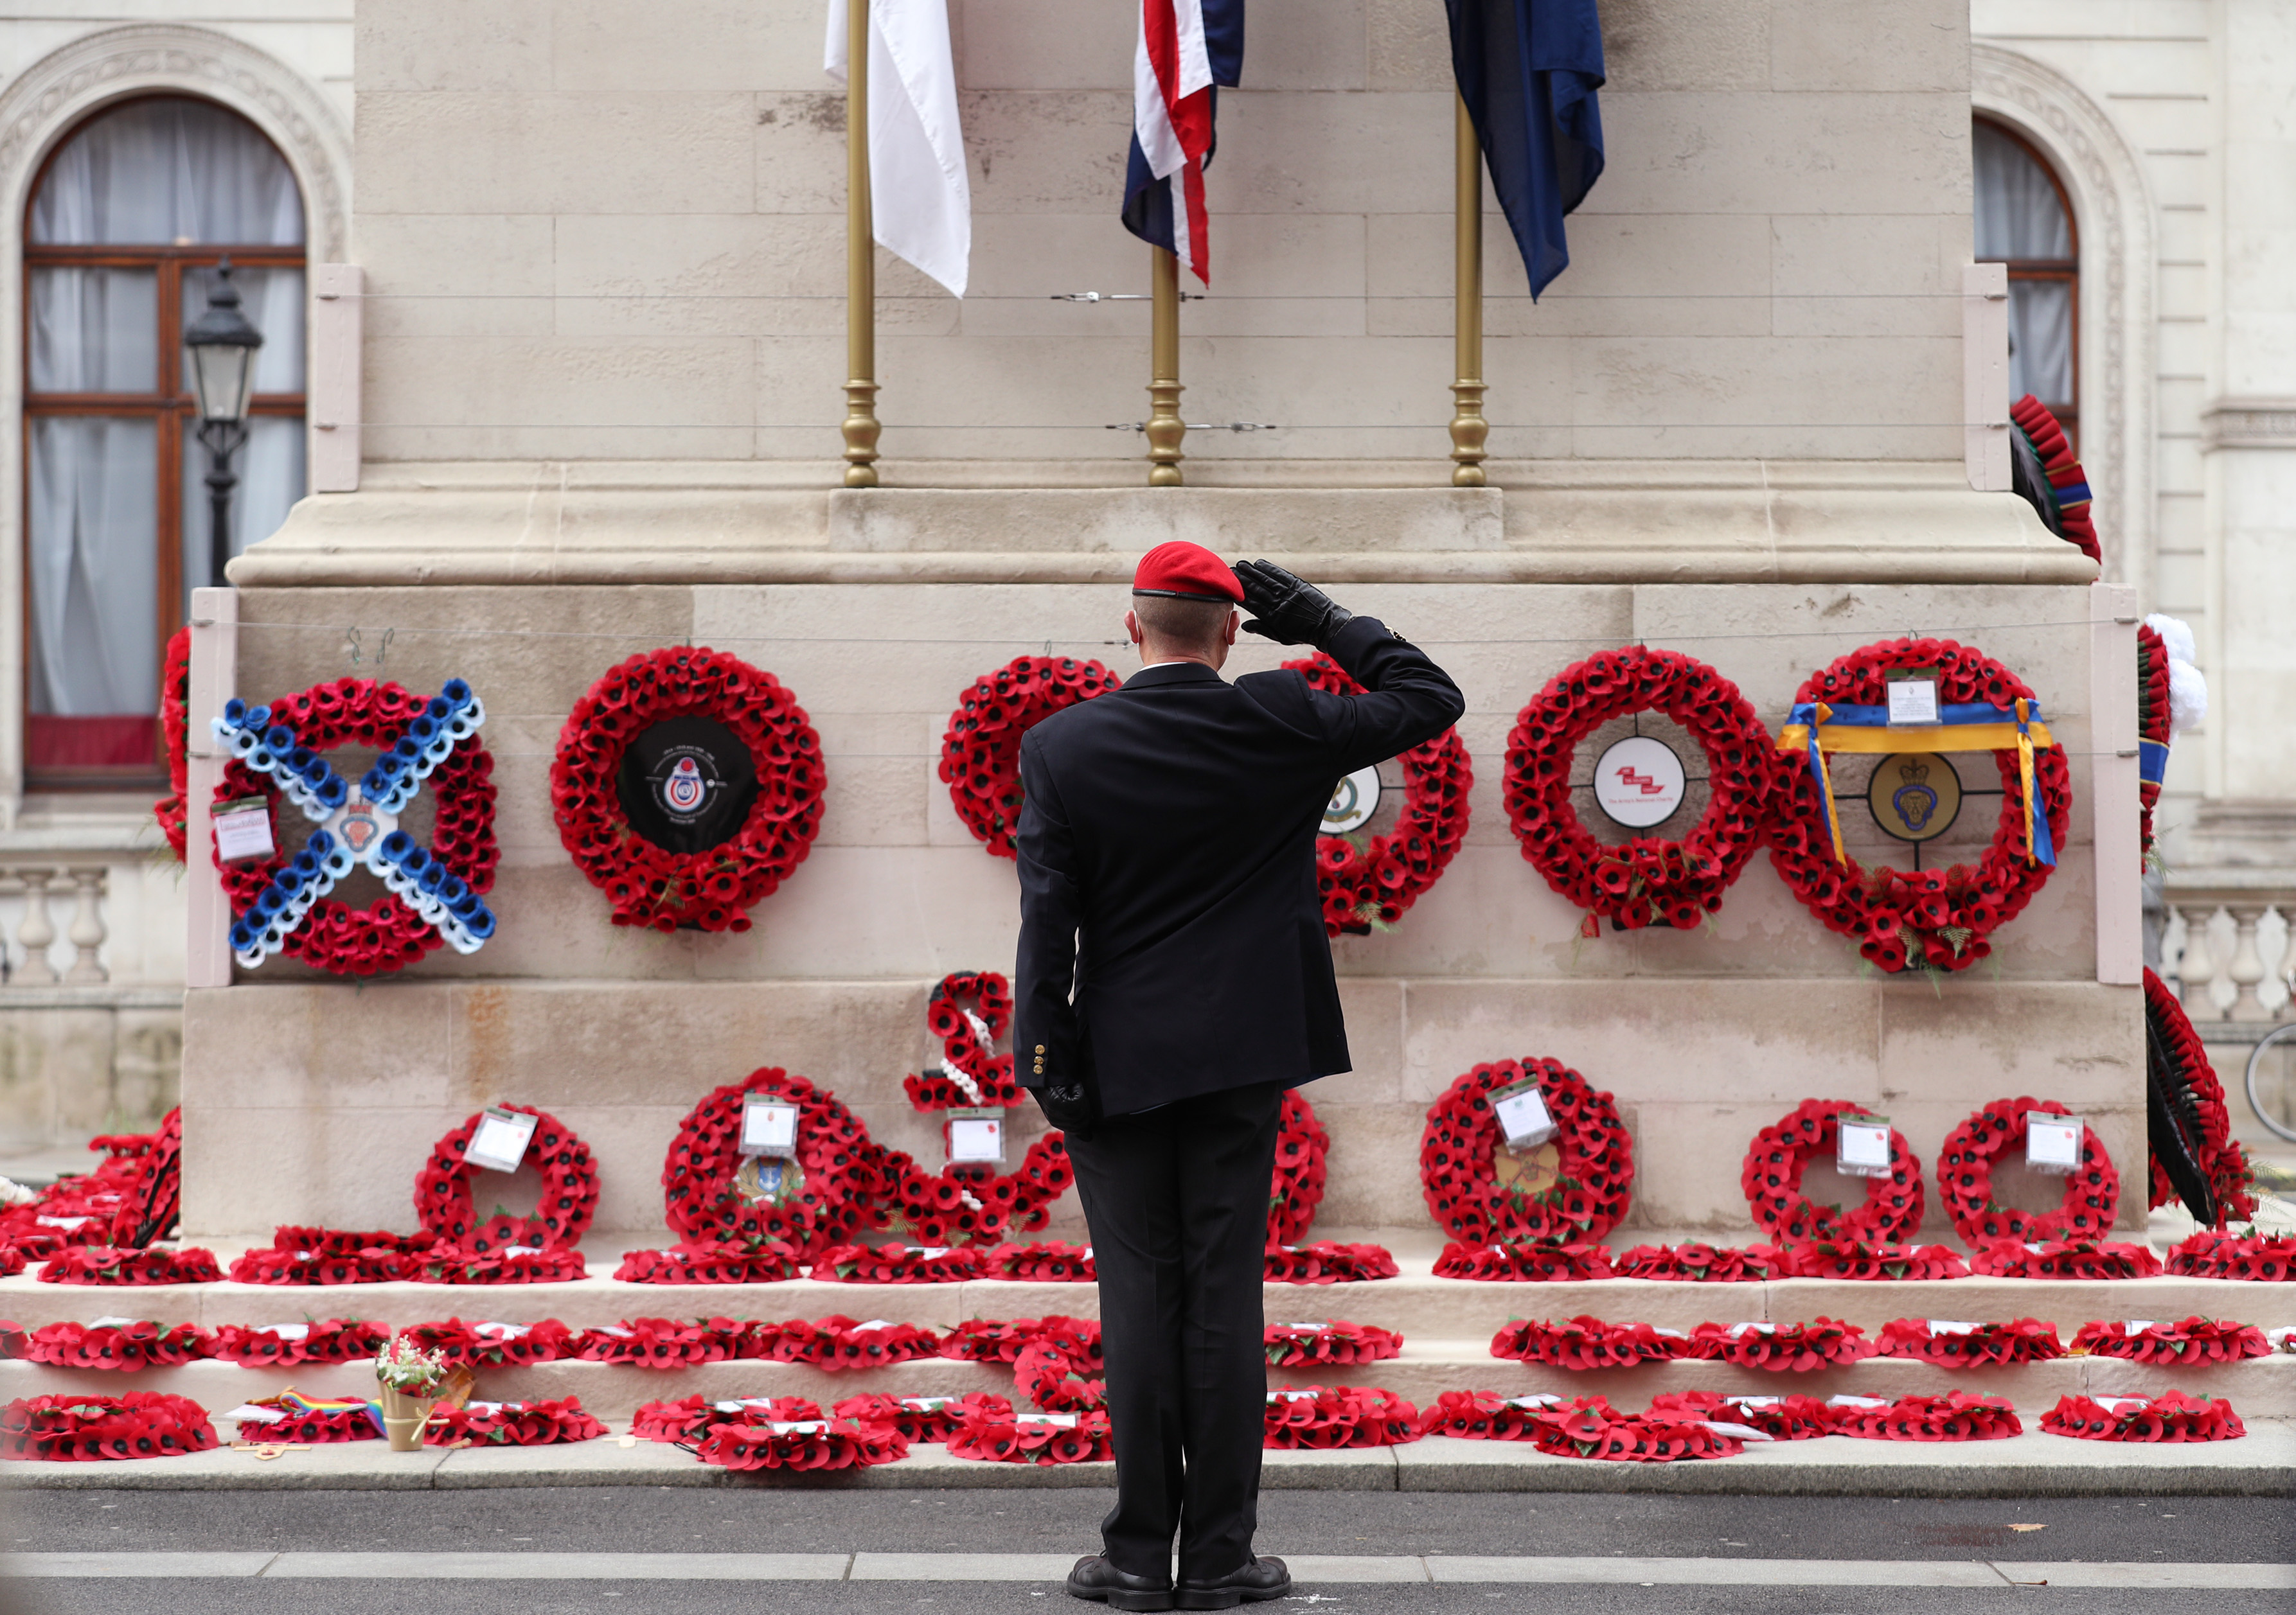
{"x":1101,"y":1582}
{"x":1257,"y":1582}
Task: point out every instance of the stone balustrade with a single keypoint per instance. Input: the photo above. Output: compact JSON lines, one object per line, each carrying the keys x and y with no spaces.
{"x":2249,"y":947}
{"x":44,"y":899}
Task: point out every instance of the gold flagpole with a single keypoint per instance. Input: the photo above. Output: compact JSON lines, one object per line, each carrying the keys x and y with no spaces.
{"x":1165,"y":427}
{"x":1468,"y":429}
{"x":862,"y":427}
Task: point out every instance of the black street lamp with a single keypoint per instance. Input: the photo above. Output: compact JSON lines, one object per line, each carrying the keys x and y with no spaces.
{"x":221,"y":345}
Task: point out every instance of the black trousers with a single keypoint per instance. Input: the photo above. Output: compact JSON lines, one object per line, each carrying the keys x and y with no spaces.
{"x":1177,"y":1198}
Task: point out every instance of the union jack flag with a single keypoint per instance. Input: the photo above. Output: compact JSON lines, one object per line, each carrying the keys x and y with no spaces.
{"x":1187,"y":48}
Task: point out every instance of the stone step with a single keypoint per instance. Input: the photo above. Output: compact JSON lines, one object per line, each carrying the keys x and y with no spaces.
{"x":2261,"y":1388}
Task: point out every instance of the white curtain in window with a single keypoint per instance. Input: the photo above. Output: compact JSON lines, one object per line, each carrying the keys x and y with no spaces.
{"x":169,"y":172}
{"x":2019,"y":216}
{"x":92,"y":509}
{"x":94,"y":330}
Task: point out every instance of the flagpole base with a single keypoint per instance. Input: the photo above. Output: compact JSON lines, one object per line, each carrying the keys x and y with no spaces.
{"x":1166,"y":431}
{"x":1469,"y":433}
{"x":862,"y":430}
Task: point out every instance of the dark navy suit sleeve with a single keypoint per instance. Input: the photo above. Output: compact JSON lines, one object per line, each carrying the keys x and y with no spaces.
{"x":1409,"y":699}
{"x":1052,"y":909}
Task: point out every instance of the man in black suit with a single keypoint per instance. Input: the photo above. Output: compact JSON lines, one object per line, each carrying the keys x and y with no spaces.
{"x":1173,"y":980}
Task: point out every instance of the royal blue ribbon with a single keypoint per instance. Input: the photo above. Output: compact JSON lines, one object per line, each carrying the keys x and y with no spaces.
{"x":2152,"y":761}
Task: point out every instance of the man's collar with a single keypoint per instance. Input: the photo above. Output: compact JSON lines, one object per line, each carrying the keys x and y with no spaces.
{"x":1173,"y":672}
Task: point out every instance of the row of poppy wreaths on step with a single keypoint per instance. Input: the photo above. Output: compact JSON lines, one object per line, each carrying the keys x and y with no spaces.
{"x":793,"y":1433}
{"x":1762,"y":790}
{"x":1050,"y":1354}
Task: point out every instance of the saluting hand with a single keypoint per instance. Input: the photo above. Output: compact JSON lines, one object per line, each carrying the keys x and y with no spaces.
{"x":1287,"y":608}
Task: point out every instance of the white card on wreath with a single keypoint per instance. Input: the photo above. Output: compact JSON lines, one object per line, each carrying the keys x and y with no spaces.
{"x":977,"y":1139}
{"x":1912,"y":700}
{"x":1523,"y":1118}
{"x":1862,"y":1148}
{"x":2052,"y":1143}
{"x":768,"y":1126}
{"x":243,"y":832}
{"x":500,"y":1142}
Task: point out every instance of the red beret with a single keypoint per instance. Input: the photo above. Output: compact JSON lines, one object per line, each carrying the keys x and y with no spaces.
{"x":1186,"y":572}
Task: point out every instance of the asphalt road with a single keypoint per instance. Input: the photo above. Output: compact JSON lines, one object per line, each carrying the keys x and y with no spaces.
{"x":559,"y":1520}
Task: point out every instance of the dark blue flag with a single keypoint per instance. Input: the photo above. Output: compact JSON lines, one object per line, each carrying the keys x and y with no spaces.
{"x":1527,"y":71}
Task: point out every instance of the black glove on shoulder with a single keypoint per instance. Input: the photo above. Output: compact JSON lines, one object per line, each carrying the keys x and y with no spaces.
{"x":1286,"y":609}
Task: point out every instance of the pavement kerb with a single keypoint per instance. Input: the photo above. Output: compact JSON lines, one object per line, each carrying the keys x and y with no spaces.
{"x":2262,"y":1464}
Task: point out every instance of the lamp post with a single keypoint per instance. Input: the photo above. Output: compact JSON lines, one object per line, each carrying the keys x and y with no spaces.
{"x":220,"y":345}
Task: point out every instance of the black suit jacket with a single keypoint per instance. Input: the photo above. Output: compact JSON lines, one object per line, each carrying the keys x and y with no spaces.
{"x":1168,"y":870}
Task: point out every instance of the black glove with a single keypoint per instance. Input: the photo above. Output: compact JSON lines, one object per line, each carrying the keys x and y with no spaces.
{"x":1073,"y":1107}
{"x":1288,"y":609}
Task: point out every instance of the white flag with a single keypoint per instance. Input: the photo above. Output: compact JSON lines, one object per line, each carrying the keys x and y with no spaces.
{"x":919,"y":193}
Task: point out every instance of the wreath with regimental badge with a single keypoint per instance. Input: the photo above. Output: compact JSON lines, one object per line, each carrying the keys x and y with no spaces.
{"x":1368,"y":884}
{"x":713,"y":889}
{"x":1935,"y":920}
{"x":1647,"y":880}
{"x":817,"y":1197}
{"x":1594,"y":1171}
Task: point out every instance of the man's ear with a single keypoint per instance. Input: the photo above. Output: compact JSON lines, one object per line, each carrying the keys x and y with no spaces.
{"x":1132,"y":625}
{"x":1228,"y":634}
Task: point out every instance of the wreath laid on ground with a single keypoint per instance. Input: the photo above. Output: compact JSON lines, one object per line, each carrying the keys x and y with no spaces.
{"x":709,"y":1262}
{"x":1582,"y":1343}
{"x":2194,"y":1340}
{"x":109,"y":1265}
{"x":923,"y":1418}
{"x":1595,"y":1170}
{"x":1368,"y":883}
{"x":1781,"y":1153}
{"x":333,"y":1339}
{"x":2193,"y":1102}
{"x":1587,"y":1427}
{"x":568,"y":1200}
{"x":1965,"y":1180}
{"x":980,"y":750}
{"x":2170,"y":1416}
{"x":1780,"y":1348}
{"x":331,"y":1256}
{"x":175,"y":740}
{"x":1934,"y":919}
{"x":1322,"y":1418}
{"x":969,"y":1202}
{"x":1863,"y":1259}
{"x":1954,"y":1416}
{"x":1300,"y":1345}
{"x":1971,"y":1345}
{"x":124,"y":1347}
{"x":2063,"y":1259}
{"x":1698,"y":1264}
{"x":713,"y":889}
{"x":280,"y":904}
{"x":81,"y":1426}
{"x":1647,"y":880}
{"x":825,"y":1192}
{"x":1781,"y":1419}
{"x":543,"y":1423}
{"x":2256,"y":1258}
{"x":1527,"y":1264}
{"x":1324,"y":1261}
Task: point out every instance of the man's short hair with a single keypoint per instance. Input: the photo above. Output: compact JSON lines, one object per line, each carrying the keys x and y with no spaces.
{"x":1195,"y":625}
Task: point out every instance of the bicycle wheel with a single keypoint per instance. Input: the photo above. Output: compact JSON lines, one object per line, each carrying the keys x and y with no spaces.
{"x":2255,"y":1059}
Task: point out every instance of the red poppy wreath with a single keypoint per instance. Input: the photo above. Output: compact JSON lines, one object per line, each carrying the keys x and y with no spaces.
{"x":1301,"y":1149}
{"x":1781,"y":1153}
{"x":969,"y":1202}
{"x":980,"y":749}
{"x":175,"y":739}
{"x":2198,"y":1099}
{"x":388,"y":934}
{"x":1365,"y":884}
{"x":1646,"y":881}
{"x":1965,"y":1180}
{"x":818,"y":1197}
{"x":569,"y":1199}
{"x":1595,"y":1168}
{"x":712,"y":889}
{"x":2155,"y":727}
{"x":1934,"y":919}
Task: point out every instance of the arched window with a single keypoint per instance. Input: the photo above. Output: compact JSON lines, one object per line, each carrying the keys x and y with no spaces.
{"x":127,"y":222}
{"x":2025,"y":220}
